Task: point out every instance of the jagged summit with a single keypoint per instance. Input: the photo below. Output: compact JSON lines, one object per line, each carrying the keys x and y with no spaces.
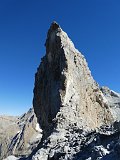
{"x":67,"y":100}
{"x":65,"y":93}
{"x":80,"y":121}
{"x":57,"y":38}
{"x":54,"y":25}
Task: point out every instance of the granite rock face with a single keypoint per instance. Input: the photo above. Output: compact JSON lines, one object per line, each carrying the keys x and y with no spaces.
{"x":70,"y":107}
{"x":65,"y":93}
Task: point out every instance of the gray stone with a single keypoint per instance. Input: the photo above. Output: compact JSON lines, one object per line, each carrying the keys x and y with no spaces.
{"x":67,"y":101}
{"x":65,"y":93}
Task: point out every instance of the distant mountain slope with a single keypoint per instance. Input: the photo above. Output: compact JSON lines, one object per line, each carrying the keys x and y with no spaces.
{"x":113,"y":100}
{"x":19,"y":135}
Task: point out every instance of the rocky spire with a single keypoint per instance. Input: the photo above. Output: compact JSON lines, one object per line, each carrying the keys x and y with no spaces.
{"x":77,"y":118}
{"x":65,"y":93}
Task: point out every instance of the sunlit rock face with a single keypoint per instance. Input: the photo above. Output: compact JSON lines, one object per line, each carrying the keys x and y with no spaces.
{"x":65,"y":93}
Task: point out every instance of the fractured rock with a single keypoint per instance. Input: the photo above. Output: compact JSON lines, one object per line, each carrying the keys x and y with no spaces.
{"x":65,"y":93}
{"x":68,"y":103}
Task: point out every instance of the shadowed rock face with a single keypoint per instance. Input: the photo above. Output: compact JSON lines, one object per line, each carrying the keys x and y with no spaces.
{"x":65,"y":93}
{"x":50,"y":80}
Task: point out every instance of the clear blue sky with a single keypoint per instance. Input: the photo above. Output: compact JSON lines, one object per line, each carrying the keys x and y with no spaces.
{"x":93,"y":26}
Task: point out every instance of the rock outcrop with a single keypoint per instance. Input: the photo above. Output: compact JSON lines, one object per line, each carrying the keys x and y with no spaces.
{"x":67,"y":101}
{"x":65,"y":93}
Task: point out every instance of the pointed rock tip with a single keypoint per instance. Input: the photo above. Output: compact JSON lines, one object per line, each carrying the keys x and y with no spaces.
{"x":54,"y":25}
{"x":53,"y":28}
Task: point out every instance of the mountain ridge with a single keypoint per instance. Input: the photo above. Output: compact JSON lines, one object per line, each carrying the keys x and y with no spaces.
{"x":74,"y":117}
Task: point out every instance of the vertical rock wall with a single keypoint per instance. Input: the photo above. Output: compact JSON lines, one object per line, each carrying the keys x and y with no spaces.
{"x":65,"y":93}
